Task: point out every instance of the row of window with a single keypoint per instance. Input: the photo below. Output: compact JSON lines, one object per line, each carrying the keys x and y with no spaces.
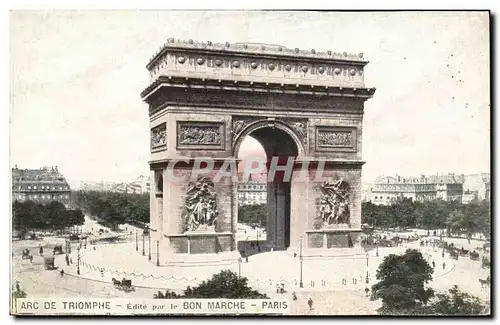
{"x":252,"y":187}
{"x":252,"y":194}
{"x":45,"y":188}
{"x":43,"y":197}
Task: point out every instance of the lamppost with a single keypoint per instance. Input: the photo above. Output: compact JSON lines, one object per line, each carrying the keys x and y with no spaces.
{"x":258,"y":244}
{"x":136,"y":245}
{"x":149,"y":239}
{"x":367,"y":258}
{"x":301,"y":284}
{"x":157,"y":253}
{"x":239,"y":267}
{"x":143,"y":250}
{"x":78,"y":261}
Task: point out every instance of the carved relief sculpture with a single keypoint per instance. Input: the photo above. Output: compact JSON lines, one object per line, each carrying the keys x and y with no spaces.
{"x":159,"y":136}
{"x":335,"y":139}
{"x":299,"y":127}
{"x":200,"y":209}
{"x":192,"y":134}
{"x":239,"y":124}
{"x":334,"y":207}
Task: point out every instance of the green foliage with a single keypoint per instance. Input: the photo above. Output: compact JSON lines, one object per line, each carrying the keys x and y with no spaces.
{"x":225,"y":284}
{"x":404,"y":213}
{"x":112,"y":209}
{"x":54,"y":215}
{"x":255,"y":214}
{"x":456,"y":302}
{"x":402,"y":280}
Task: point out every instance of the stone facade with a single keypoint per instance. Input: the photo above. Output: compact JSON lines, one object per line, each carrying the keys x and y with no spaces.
{"x":207,"y":98}
{"x":425,"y":188}
{"x":42,"y":185}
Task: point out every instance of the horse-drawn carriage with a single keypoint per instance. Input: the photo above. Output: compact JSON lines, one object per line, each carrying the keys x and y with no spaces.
{"x":124,"y":285}
{"x":58,"y":249}
{"x":474,"y":256}
{"x":49,"y":263}
{"x":463,"y":252}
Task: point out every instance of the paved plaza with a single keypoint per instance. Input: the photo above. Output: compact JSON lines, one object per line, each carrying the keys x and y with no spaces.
{"x":322,"y":277}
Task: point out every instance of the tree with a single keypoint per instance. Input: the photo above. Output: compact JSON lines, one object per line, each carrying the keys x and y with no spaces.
{"x":455,"y":222}
{"x":402,"y":280}
{"x":456,"y":302}
{"x":225,"y":284}
{"x":255,"y":214}
{"x":111,"y":208}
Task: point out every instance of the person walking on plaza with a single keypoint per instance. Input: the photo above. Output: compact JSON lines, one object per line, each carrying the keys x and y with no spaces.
{"x":433,"y":265}
{"x":62,"y":272}
{"x":310,"y":303}
{"x":444,"y":265}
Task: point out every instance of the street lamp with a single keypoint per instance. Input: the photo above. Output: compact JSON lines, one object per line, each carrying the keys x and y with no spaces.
{"x":78,"y":262}
{"x":143,"y":251}
{"x":367,"y":258}
{"x":136,"y":246}
{"x":301,"y":284}
{"x":157,"y":253}
{"x":149,"y":239}
{"x":258,"y":244}
{"x":239,"y":267}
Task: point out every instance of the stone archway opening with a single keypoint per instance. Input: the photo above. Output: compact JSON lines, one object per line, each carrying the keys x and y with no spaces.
{"x":276,"y":148}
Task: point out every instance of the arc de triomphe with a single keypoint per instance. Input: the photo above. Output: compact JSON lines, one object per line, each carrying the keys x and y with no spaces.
{"x":205,"y":98}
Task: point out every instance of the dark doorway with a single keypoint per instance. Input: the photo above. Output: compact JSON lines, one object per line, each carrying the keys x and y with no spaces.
{"x":277,"y":143}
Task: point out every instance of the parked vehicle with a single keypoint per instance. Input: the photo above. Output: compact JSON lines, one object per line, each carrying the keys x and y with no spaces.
{"x":49,"y":262}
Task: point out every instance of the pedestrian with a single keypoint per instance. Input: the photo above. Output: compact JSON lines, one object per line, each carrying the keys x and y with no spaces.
{"x":310,"y":303}
{"x":18,"y":287}
{"x":444,"y":265}
{"x":433,"y":265}
{"x":31,"y":258}
{"x":62,"y":272}
{"x":294,"y":295}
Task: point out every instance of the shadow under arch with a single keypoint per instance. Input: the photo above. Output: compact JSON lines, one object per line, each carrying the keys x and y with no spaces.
{"x":277,"y":140}
{"x":269,"y":132}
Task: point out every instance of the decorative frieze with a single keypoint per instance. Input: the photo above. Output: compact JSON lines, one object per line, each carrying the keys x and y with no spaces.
{"x":334,"y":207}
{"x":201,"y":135}
{"x":336,"y":139}
{"x":159,"y":137}
{"x":280,"y":63}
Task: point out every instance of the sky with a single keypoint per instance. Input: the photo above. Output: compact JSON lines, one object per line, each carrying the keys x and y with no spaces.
{"x":76,"y":79}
